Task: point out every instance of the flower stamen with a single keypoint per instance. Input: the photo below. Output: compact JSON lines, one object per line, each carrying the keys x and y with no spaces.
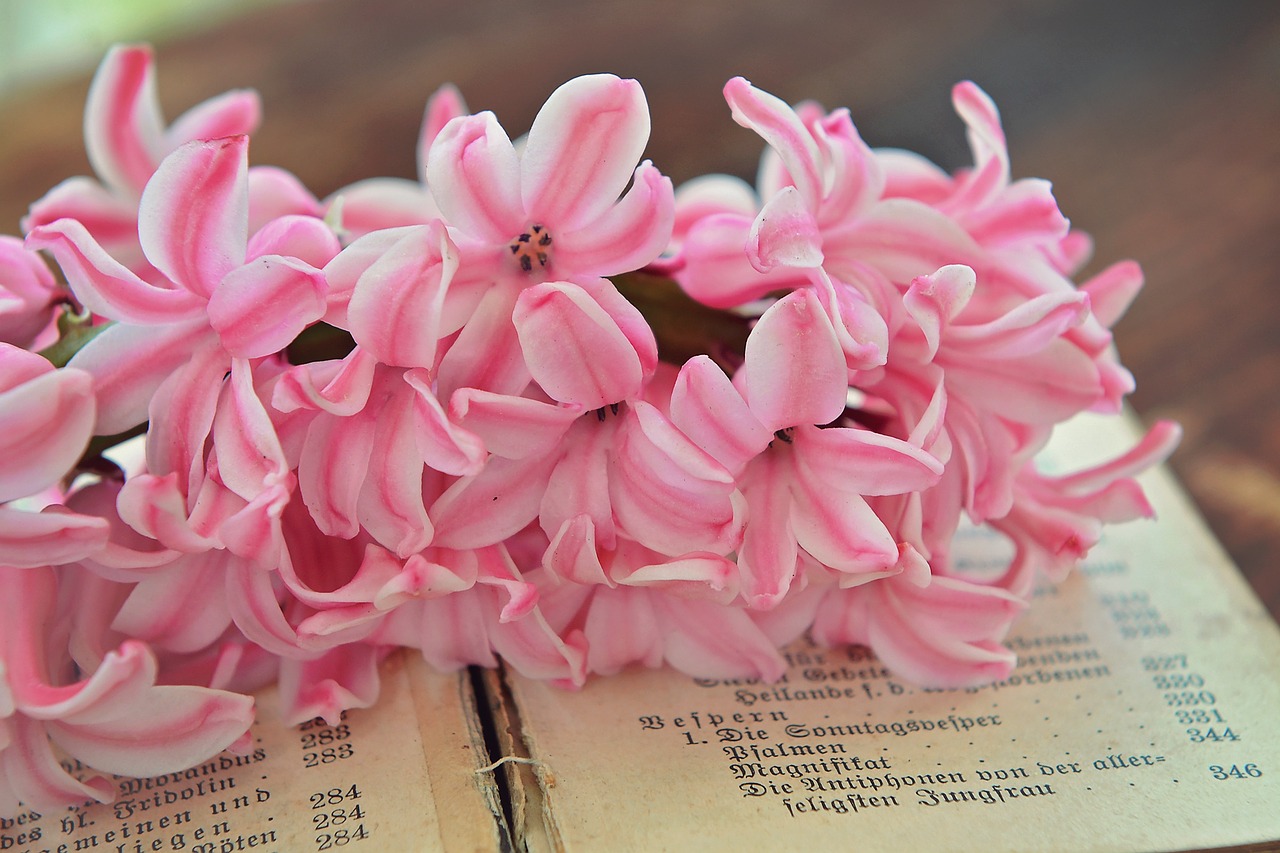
{"x":532,"y":245}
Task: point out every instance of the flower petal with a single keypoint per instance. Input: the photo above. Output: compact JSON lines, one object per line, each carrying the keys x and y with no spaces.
{"x":784,"y":234}
{"x":474,"y":177}
{"x":123,"y":131}
{"x":581,"y":150}
{"x":627,"y":236}
{"x":795,"y":371}
{"x":783,"y":130}
{"x":45,"y":424}
{"x":396,"y":305}
{"x":574,"y":348}
{"x":258,"y":309}
{"x":104,"y":285}
{"x":49,"y":538}
{"x":707,"y":408}
{"x":232,"y":113}
{"x":193,"y":220}
{"x":128,"y":363}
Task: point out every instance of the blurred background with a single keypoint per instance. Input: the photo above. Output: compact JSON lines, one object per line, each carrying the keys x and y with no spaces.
{"x":1157,"y":120}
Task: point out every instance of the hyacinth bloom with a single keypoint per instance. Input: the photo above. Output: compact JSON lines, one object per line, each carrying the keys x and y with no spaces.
{"x":29,"y":295}
{"x":118,"y":720}
{"x":470,"y":415}
{"x":126,"y":138}
{"x":804,"y":485}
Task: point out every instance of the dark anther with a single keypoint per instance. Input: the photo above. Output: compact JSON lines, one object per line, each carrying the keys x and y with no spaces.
{"x":515,"y":250}
{"x":544,"y":240}
{"x":600,"y":414}
{"x":613,"y":407}
{"x":784,"y":434}
{"x":526,"y":263}
{"x":542,"y":259}
{"x":523,"y":238}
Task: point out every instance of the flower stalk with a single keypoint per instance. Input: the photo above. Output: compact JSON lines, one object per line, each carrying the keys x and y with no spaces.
{"x":536,"y":405}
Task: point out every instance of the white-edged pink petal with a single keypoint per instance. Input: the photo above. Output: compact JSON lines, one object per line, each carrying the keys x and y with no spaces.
{"x":710,"y":640}
{"x":30,"y":773}
{"x":581,"y":150}
{"x":396,"y":305}
{"x":390,"y":504}
{"x":123,"y":130}
{"x":708,"y":409}
{"x":934,"y":300}
{"x":835,"y":526}
{"x":716,"y":270}
{"x":783,"y":130}
{"x":232,"y":113}
{"x":444,"y":105}
{"x":864,"y":461}
{"x":378,"y":203}
{"x":512,"y":427}
{"x":487,"y":353}
{"x":574,"y":349}
{"x":332,"y":469}
{"x":260,"y":308}
{"x":902,"y":239}
{"x":274,"y":193}
{"x":707,"y":195}
{"x":175,"y":727}
{"x":193,"y":220}
{"x":128,"y":363}
{"x":337,"y":387}
{"x":441,"y":443}
{"x":785,"y":234}
{"x":178,"y":609}
{"x":111,"y":219}
{"x":621,"y":629}
{"x":107,"y":287}
{"x":341,"y":679}
{"x":626,"y":236}
{"x":49,"y":538}
{"x":474,"y":175}
{"x":305,"y":238}
{"x":986,"y":139}
{"x":795,"y":370}
{"x":28,"y":293}
{"x":572,"y":556}
{"x":669,"y":494}
{"x":156,"y":507}
{"x":493,"y":505}
{"x":1113,"y":290}
{"x":769,"y":553}
{"x":250,"y":458}
{"x":45,"y":425}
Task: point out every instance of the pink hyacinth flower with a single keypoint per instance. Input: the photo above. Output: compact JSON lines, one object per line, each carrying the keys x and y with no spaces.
{"x":248,"y":294}
{"x":126,"y":139}
{"x":557,"y":207}
{"x":805,"y":486}
{"x":117,"y":720}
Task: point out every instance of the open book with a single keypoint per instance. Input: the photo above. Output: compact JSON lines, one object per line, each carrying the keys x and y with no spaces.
{"x":1143,"y":715}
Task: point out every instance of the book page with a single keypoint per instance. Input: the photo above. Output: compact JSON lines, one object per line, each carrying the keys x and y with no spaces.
{"x":398,"y":776}
{"x":1142,"y":716}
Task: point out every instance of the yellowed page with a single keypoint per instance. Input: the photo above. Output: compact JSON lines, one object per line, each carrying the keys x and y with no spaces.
{"x":1143,"y":716}
{"x":364,"y":785}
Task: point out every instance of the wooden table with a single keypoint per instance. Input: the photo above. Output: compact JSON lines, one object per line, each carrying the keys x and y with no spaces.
{"x":1156,"y":121}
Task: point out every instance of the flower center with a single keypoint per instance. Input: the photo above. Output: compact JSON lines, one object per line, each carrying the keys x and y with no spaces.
{"x":532,"y":248}
{"x":786,"y":436}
